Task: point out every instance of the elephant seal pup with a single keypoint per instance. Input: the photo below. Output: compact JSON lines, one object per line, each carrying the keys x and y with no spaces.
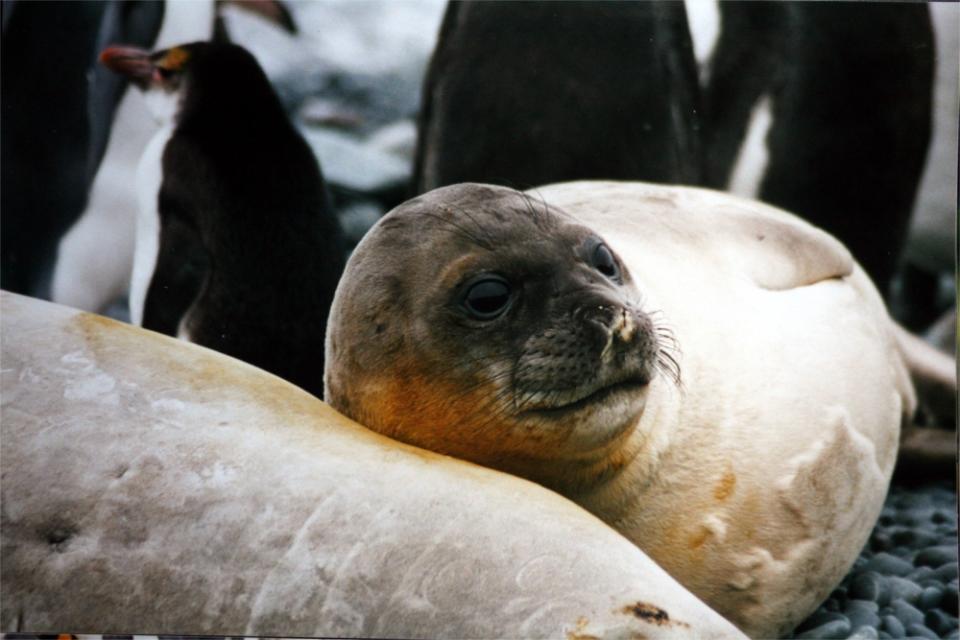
{"x":714,"y":378}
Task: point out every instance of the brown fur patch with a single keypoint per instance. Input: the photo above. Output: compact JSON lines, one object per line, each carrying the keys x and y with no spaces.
{"x":700,"y":539}
{"x":578,"y":634}
{"x":726,"y":487}
{"x":448,"y":415}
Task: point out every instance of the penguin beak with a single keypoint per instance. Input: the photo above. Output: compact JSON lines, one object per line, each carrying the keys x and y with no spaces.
{"x":131,"y":62}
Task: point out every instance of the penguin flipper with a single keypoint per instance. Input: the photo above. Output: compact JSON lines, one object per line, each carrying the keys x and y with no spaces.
{"x":181,"y":271}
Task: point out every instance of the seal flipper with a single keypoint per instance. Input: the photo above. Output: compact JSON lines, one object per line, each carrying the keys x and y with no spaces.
{"x":780,"y":251}
{"x":182,"y":268}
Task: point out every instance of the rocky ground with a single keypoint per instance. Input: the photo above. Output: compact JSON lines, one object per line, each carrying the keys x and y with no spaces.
{"x":904,"y":584}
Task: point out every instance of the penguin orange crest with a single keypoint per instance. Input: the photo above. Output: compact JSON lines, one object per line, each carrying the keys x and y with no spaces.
{"x":175,"y":59}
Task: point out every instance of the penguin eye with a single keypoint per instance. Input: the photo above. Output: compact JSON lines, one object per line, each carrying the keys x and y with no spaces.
{"x":165,"y":73}
{"x":487,"y":299}
{"x":604,"y":262}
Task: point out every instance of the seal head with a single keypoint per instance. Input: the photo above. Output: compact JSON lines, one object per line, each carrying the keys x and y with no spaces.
{"x":481,"y":323}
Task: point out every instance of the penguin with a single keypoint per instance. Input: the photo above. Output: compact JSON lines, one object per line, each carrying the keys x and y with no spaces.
{"x":824,"y":109}
{"x":94,"y":257}
{"x":523,"y":94}
{"x":238,"y":248}
{"x":46,"y":50}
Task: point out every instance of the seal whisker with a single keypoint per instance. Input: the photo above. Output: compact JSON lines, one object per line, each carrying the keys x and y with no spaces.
{"x":462,"y":231}
{"x":488,"y":237}
{"x":544,"y":219}
{"x":528,"y":204}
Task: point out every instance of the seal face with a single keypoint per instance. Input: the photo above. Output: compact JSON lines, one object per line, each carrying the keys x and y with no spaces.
{"x":490,"y":326}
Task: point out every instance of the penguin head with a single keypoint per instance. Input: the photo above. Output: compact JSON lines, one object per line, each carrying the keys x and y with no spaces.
{"x":189,"y":76}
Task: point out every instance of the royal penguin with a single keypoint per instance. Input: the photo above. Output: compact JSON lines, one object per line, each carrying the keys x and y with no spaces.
{"x":238,"y":248}
{"x":94,"y":257}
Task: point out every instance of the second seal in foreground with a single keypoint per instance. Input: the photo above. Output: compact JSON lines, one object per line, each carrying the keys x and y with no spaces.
{"x":712,"y":377}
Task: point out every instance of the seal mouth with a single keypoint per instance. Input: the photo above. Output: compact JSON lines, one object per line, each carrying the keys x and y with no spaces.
{"x":599,"y":395}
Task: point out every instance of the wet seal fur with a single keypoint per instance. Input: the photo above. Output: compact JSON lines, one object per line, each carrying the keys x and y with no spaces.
{"x":725,"y":389}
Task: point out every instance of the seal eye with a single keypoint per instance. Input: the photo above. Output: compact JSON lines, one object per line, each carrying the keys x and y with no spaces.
{"x":604,"y":262}
{"x":487,"y":299}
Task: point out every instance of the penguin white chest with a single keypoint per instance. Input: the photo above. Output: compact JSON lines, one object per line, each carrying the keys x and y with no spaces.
{"x":147,"y":247}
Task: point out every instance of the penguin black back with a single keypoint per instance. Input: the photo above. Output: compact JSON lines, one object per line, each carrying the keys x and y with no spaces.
{"x":524,"y":93}
{"x":249,"y":250}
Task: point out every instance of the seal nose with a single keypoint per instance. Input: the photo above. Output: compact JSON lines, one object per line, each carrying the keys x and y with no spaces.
{"x":613,"y":324}
{"x":612,"y":317}
{"x":624,"y":325}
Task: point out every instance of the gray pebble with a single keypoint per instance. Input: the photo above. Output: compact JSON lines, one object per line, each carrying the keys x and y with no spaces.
{"x":880,"y":541}
{"x":950,"y":598}
{"x":941,"y":516}
{"x":885,"y":636}
{"x":920,"y":631}
{"x":862,"y":613}
{"x":835,"y":629}
{"x":869,"y":585}
{"x":820,"y":618}
{"x":921,"y":574}
{"x":939,"y":622}
{"x":901,"y":588}
{"x":947,"y":572}
{"x":864,"y":619}
{"x":906,"y":613}
{"x":865,"y":633}
{"x":936,"y":556}
{"x":864,"y":605}
{"x":889,"y":565}
{"x":953,"y":635}
{"x":913,"y":537}
{"x":930,"y":598}
{"x":894,"y":627}
{"x":931,"y":582}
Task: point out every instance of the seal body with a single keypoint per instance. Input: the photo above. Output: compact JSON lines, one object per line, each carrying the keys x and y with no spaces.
{"x":713,"y":377}
{"x":261,"y":511}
